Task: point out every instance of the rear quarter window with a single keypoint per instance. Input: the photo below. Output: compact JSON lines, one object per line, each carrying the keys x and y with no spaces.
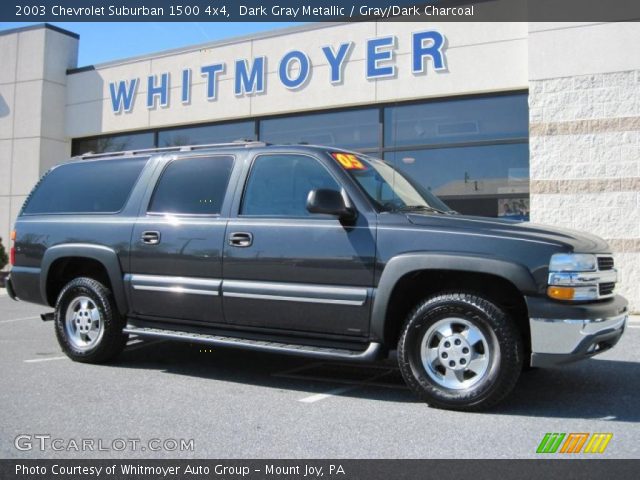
{"x":101,"y":186}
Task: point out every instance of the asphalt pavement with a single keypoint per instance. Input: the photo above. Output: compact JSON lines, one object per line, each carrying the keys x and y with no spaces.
{"x":174,"y":400}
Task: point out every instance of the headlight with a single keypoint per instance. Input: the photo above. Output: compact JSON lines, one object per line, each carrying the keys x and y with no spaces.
{"x":573,"y":262}
{"x":577,"y":277}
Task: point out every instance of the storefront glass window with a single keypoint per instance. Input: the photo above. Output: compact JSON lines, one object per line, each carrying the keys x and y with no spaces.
{"x":457,"y":121}
{"x":472,"y":152}
{"x":113,"y":143}
{"x":490,"y":180}
{"x":357,"y":129}
{"x":226,"y":132}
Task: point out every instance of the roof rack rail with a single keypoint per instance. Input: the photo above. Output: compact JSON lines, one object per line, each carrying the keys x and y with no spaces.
{"x":179,"y":148}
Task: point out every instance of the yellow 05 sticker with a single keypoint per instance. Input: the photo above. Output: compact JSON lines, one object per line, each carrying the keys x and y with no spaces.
{"x":349,"y":161}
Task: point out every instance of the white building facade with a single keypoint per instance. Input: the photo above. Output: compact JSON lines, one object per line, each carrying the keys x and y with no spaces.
{"x":514,"y":120}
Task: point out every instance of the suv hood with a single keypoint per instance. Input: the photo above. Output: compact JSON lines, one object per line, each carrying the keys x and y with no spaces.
{"x":570,"y":239}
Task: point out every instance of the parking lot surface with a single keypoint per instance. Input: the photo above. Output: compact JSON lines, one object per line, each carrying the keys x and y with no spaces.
{"x":238,"y":404}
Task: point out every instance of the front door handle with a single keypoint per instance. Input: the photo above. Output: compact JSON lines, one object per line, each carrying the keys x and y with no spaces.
{"x":240,"y":239}
{"x":150,"y":237}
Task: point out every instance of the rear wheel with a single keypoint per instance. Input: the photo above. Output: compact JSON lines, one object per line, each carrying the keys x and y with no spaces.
{"x":88,"y":325}
{"x":460,"y":351}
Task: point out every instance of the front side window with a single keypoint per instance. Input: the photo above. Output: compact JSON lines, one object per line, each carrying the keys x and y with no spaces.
{"x":278,"y":185}
{"x":193,"y":186}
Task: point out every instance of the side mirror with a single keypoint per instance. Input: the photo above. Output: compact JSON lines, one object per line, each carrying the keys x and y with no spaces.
{"x":331,"y":202}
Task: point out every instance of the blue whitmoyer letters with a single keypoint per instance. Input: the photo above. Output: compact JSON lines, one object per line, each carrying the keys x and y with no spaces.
{"x":294,"y":70}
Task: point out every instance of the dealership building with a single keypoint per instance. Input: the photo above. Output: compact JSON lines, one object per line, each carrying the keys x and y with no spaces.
{"x":537,"y":121}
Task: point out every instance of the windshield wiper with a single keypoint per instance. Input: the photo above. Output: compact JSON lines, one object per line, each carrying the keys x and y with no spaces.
{"x":428,"y":208}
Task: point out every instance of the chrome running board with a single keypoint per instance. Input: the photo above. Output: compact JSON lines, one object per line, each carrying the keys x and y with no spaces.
{"x":372,"y":352}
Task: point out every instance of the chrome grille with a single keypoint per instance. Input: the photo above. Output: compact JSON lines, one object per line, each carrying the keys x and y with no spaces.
{"x":605,"y":263}
{"x":606,"y":288}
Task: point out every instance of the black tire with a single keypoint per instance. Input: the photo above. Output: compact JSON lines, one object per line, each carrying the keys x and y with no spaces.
{"x":501,"y":339}
{"x":110,"y":342}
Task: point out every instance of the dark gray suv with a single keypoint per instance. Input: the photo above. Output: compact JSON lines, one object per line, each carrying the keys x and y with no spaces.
{"x":312,"y":251}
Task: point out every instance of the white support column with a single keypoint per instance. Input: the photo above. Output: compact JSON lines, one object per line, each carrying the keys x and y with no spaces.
{"x":33,"y":78}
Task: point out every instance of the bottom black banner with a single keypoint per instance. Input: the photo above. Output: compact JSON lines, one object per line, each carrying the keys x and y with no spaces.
{"x":314,"y":469}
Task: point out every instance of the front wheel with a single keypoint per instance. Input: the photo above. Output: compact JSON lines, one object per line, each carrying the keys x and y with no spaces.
{"x":460,"y":351}
{"x":88,"y":325}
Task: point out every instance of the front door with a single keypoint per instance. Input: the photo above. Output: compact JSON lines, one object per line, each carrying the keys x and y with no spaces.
{"x":285,"y":268}
{"x":176,"y":248}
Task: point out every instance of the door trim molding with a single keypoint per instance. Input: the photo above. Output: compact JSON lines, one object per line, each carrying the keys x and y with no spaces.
{"x":170,"y":284}
{"x":257,"y":290}
{"x":292,"y":292}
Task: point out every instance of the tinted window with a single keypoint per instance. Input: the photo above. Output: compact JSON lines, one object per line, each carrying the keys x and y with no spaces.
{"x":86,"y":187}
{"x":112,"y":143}
{"x":351,"y":129}
{"x":227,"y":132}
{"x":279,"y":185}
{"x":456,"y":121}
{"x":193,"y":186}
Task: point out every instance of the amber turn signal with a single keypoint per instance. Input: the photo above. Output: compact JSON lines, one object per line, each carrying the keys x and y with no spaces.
{"x":561,"y":293}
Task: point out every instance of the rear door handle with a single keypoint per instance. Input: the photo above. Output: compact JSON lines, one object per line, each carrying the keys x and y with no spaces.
{"x":240,"y":239}
{"x":150,"y":237}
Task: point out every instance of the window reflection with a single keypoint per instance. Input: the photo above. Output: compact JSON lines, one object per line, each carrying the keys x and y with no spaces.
{"x":489,"y":180}
{"x":455,"y":121}
{"x":355,"y":129}
{"x":112,"y":143}
{"x":223,"y":133}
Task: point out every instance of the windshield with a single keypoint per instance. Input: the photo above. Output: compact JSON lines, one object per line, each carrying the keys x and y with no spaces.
{"x":387,"y":187}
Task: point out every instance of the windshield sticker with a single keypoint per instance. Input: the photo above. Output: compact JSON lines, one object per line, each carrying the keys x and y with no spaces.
{"x":349,"y":161}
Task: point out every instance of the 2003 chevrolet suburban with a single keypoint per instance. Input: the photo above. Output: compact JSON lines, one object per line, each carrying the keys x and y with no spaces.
{"x":312,"y":251}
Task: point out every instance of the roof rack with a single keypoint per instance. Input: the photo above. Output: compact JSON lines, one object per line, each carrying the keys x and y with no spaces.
{"x":181,"y":148}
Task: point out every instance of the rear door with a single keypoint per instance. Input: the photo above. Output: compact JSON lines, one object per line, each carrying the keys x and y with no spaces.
{"x":288,"y":269}
{"x":176,"y":247}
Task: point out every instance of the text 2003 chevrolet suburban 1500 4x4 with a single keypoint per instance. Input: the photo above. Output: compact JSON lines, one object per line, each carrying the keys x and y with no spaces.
{"x":309,"y":251}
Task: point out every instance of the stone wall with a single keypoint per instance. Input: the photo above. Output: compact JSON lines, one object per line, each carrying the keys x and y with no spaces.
{"x":585,"y":162}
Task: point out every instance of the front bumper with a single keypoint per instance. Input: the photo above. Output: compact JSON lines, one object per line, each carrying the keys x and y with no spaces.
{"x":564,"y":333}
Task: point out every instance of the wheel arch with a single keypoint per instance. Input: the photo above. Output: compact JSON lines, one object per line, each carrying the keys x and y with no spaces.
{"x":421,"y":272}
{"x":100,"y":260}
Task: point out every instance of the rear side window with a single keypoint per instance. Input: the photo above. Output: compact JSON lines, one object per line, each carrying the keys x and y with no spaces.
{"x":85,"y":187}
{"x":193,"y":186}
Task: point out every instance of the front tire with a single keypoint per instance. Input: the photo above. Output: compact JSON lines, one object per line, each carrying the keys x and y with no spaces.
{"x":87,"y":323}
{"x":460,"y":351}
